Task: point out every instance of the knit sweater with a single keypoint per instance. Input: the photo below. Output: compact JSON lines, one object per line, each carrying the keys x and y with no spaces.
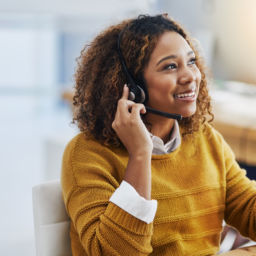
{"x":196,"y":186}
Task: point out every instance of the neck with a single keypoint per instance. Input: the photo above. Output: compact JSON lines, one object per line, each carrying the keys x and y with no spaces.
{"x":160,"y":126}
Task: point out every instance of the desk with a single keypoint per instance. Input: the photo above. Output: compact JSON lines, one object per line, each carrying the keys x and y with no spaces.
{"x":235,"y":119}
{"x":246,"y":251}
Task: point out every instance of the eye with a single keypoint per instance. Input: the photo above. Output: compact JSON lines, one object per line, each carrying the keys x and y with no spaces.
{"x":170,"y":66}
{"x":192,"y":61}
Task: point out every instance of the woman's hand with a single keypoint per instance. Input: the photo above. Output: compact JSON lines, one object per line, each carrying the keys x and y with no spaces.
{"x":135,"y":137}
{"x":130,"y":128}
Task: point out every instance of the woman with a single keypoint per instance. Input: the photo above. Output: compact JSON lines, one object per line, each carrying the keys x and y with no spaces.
{"x":138,"y":183}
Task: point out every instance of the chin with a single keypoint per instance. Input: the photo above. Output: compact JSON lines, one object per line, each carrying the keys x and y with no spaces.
{"x":188,"y":113}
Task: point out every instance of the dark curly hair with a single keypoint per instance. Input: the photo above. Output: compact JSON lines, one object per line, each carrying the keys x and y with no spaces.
{"x":100,"y":78}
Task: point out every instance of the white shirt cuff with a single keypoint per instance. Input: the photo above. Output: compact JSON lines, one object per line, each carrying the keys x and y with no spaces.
{"x":128,"y":199}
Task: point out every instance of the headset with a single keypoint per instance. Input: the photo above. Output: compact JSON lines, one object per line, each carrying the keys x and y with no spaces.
{"x":136,"y":93}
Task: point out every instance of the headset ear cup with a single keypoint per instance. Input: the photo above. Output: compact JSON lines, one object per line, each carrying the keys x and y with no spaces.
{"x":137,"y":94}
{"x":142,"y":95}
{"x":131,"y":96}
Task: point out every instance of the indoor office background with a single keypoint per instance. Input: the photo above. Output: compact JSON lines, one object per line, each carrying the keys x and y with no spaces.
{"x":39,"y":44}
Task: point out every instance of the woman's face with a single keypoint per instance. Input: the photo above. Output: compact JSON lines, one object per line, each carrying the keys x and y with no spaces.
{"x":172,"y":77}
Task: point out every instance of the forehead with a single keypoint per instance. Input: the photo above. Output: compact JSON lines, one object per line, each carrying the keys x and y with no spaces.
{"x":170,"y":43}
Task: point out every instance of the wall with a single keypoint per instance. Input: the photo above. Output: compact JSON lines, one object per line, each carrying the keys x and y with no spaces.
{"x":235,"y":26}
{"x":74,"y":7}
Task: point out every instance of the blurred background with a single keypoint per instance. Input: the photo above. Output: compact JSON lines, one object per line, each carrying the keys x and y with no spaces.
{"x":39,"y":44}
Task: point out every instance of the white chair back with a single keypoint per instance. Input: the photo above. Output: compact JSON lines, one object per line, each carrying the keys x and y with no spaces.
{"x":50,"y":220}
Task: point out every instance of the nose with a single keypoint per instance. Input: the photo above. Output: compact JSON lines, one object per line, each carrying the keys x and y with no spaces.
{"x":187,"y":75}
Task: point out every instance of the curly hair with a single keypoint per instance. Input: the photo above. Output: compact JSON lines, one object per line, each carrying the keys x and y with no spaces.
{"x":100,"y":78}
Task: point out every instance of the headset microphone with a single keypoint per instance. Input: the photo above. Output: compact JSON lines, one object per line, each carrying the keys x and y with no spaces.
{"x":136,"y":93}
{"x":164,"y":114}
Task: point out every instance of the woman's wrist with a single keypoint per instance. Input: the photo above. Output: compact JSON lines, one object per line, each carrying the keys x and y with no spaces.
{"x":138,"y":173}
{"x":142,"y":154}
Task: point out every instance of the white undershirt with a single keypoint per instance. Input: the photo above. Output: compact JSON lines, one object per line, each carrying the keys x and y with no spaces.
{"x":127,"y":198}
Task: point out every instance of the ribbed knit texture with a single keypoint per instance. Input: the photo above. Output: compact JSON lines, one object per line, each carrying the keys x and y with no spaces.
{"x":196,"y":186}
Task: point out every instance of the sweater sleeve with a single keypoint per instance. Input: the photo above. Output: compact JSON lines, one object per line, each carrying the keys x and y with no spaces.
{"x":127,"y":198}
{"x":240,"y":197}
{"x":103,"y":227}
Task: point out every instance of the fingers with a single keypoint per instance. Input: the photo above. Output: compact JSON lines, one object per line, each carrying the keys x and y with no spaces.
{"x":123,"y":107}
{"x":125,"y":94}
{"x":124,"y":104}
{"x":127,"y":107}
{"x":138,"y":109}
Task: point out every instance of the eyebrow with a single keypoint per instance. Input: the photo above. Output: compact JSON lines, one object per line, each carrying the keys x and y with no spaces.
{"x":172,"y":57}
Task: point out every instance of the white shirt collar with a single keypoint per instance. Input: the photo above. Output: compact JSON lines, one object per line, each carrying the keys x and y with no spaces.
{"x":160,"y":148}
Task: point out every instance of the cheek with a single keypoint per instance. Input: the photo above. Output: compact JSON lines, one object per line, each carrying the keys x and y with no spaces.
{"x":160,"y":89}
{"x":162,"y":84}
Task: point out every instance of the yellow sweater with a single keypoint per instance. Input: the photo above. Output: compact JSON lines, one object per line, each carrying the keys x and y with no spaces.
{"x":196,"y":186}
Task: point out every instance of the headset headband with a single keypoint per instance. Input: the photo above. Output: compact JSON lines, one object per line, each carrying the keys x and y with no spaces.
{"x":137,"y":94}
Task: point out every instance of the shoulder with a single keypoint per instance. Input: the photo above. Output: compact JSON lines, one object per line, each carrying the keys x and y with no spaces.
{"x":211,"y":133}
{"x":87,"y":163}
{"x":207,"y":139}
{"x":84,"y":154}
{"x":83,"y":143}
{"x":215,"y":140}
{"x":81,"y":140}
{"x":82,"y":147}
{"x":206,"y":132}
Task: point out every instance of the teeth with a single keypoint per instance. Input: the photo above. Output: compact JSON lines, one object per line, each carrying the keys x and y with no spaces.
{"x":183,"y":95}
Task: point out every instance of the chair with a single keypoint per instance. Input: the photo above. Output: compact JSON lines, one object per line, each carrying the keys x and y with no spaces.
{"x":51,"y":221}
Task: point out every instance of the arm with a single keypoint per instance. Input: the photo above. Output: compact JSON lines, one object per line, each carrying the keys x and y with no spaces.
{"x":240,"y":197}
{"x":88,"y":183}
{"x":89,"y":179}
{"x":135,"y":137}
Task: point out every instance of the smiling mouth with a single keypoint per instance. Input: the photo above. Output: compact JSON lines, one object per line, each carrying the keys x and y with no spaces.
{"x":191,"y":94}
